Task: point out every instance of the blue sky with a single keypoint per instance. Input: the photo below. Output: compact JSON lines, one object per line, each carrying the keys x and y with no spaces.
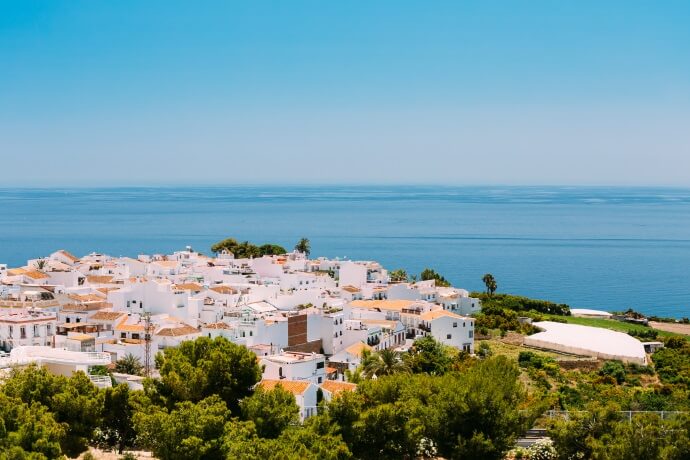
{"x":485,"y":92}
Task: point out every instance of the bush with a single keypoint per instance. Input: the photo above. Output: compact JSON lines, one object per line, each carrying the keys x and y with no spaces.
{"x":531,"y":360}
{"x":522,"y":304}
{"x":484,"y":350}
{"x":648,"y":334}
{"x":614,"y":369}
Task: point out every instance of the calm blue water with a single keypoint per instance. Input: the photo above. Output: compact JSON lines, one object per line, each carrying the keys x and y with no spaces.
{"x":609,"y":248}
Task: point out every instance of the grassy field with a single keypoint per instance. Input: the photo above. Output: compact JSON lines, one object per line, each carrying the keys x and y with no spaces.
{"x":610,"y":324}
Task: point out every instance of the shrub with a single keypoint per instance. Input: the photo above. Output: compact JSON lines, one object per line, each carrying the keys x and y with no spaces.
{"x":614,"y":369}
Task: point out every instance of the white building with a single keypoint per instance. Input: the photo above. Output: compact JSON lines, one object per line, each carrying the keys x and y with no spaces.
{"x":22,"y":327}
{"x":448,"y":328}
{"x":295,"y":366}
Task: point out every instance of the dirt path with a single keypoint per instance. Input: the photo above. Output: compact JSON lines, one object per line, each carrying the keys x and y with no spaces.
{"x":676,"y":328}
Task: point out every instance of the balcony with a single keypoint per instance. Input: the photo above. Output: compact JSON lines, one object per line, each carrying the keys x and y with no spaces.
{"x":101,"y":381}
{"x":424,"y":327}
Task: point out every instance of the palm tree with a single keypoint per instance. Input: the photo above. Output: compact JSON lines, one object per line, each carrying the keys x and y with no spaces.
{"x":303,"y":246}
{"x":385,"y":362}
{"x":41,"y":263}
{"x":490,"y":283}
{"x":129,"y":364}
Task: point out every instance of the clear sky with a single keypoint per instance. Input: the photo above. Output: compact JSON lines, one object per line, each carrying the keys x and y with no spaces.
{"x":457,"y":92}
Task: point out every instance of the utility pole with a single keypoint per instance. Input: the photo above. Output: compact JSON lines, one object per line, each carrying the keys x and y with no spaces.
{"x":147,"y":344}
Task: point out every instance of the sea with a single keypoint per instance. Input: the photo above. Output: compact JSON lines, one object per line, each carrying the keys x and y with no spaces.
{"x":590,"y":247}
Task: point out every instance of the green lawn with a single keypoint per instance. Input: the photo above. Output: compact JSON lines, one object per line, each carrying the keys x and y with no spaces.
{"x":609,"y":324}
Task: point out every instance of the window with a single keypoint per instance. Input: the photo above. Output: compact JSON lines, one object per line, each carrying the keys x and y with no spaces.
{"x":68,"y":320}
{"x":463,"y":324}
{"x":49,"y":329}
{"x":455,"y":324}
{"x":471,"y":334}
{"x":448,"y":336}
{"x":123,"y":335}
{"x":320,"y":379}
{"x":135,"y":336}
{"x":79,"y":320}
{"x":320,"y":365}
{"x":36,"y":334}
{"x":10,"y":331}
{"x":22,"y":332}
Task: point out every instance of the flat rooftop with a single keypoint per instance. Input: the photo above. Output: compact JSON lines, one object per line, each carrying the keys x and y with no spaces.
{"x":587,"y":341}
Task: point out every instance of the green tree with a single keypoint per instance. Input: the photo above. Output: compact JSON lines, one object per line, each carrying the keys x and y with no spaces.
{"x":204,"y":367}
{"x":116,"y":427}
{"x":272,"y":250}
{"x":479,"y":412}
{"x":313,"y":441}
{"x":188,"y":432}
{"x":245,"y":249}
{"x":490,"y":283}
{"x":228,"y":244}
{"x":428,"y":356}
{"x":385,"y":362}
{"x":398,"y":276}
{"x":429,"y":274}
{"x":270,"y":410}
{"x":74,"y":402}
{"x":572,"y":436}
{"x":303,"y":246}
{"x":129,"y":364}
{"x":28,"y":431}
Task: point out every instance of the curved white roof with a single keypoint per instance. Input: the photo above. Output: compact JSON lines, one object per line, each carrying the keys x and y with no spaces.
{"x":588,"y":341}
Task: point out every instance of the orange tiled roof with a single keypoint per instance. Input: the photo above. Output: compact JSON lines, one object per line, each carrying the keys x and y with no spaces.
{"x":188,"y":287}
{"x":434,"y":314}
{"x":35,"y":274}
{"x":99,"y":279}
{"x":334,"y":387}
{"x":106,"y":315}
{"x":69,"y":255}
{"x":86,"y":306}
{"x":124,"y":327}
{"x":296,"y":387}
{"x":357,"y":349}
{"x":219,"y":325}
{"x":85,"y":297}
{"x":223,"y":289}
{"x":395,"y":305}
{"x":178,"y":331}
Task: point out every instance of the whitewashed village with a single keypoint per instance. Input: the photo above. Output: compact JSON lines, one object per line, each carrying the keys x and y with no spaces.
{"x":309,"y":321}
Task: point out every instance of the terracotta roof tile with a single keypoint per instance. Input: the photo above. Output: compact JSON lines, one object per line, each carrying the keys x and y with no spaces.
{"x":296,"y":387}
{"x":334,"y":387}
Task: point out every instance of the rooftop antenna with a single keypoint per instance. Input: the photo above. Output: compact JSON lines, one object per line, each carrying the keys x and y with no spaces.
{"x":147,"y":344}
